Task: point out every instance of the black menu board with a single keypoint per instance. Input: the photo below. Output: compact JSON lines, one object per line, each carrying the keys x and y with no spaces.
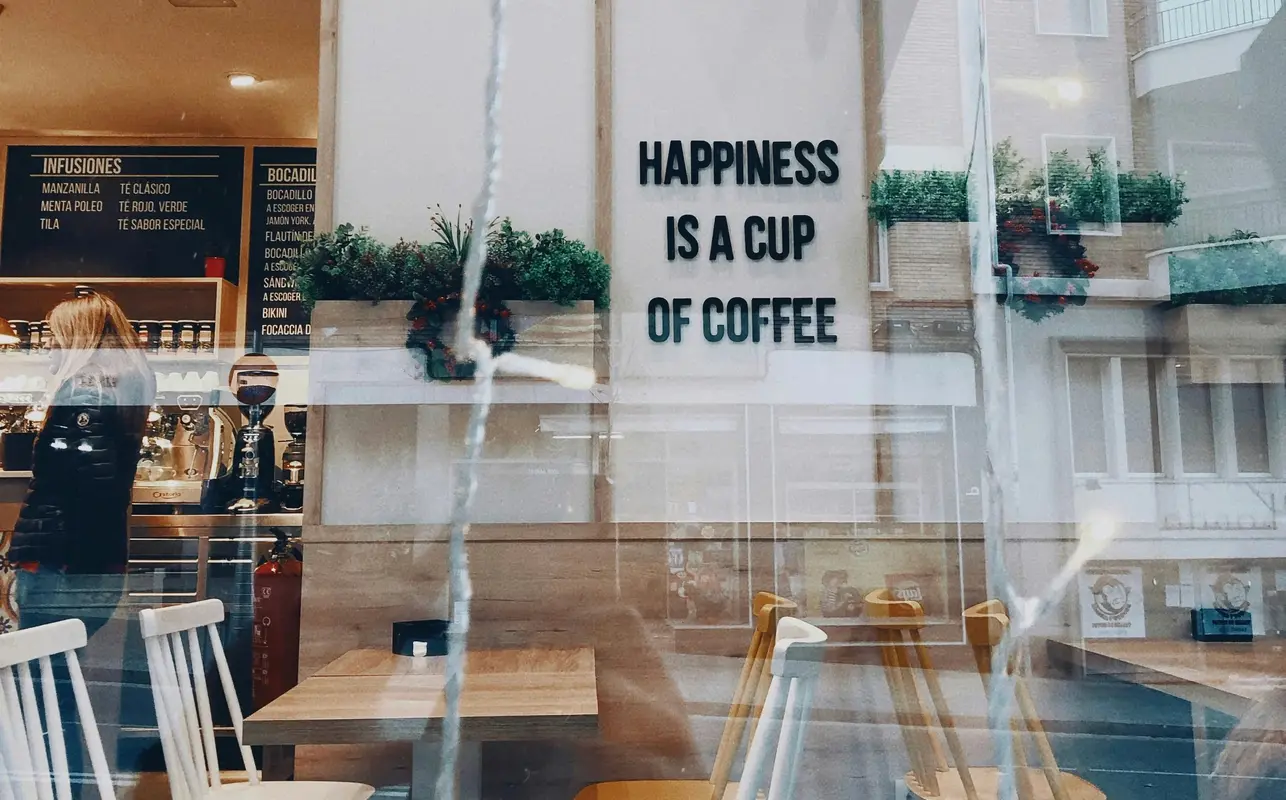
{"x":282,"y":213}
{"x":121,"y":212}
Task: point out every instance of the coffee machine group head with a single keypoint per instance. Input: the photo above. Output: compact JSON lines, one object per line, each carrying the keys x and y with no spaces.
{"x":253,"y":381}
{"x":292,"y":459}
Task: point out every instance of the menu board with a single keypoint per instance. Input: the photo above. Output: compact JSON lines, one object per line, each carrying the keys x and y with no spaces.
{"x":282,"y":214}
{"x":115,"y":212}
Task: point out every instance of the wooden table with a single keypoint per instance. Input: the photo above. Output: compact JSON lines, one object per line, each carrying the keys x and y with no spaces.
{"x":1227,"y":677}
{"x":370,"y":696}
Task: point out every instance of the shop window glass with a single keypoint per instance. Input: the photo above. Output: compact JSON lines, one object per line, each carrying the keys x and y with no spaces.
{"x":1142,"y":417}
{"x":1089,"y":425}
{"x":1250,"y":418}
{"x":1196,"y":421}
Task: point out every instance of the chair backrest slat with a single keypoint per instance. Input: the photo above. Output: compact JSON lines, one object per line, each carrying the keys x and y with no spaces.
{"x":203,"y":707}
{"x":179,"y":788}
{"x":796,"y":663}
{"x":94,"y":744}
{"x":54,"y":722}
{"x":180,"y":692}
{"x":35,"y":736}
{"x":6,"y":790}
{"x":234,"y":707}
{"x":16,"y":746}
{"x":196,"y":742}
{"x":752,"y":685}
{"x":188,"y":757}
{"x":29,"y":771}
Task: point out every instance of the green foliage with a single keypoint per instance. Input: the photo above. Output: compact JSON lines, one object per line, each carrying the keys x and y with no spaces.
{"x":933,"y":196}
{"x":509,"y":250}
{"x":563,"y":271}
{"x":1245,"y":271}
{"x":455,"y":237}
{"x":1080,"y":191}
{"x":1153,"y":197}
{"x":350,"y":264}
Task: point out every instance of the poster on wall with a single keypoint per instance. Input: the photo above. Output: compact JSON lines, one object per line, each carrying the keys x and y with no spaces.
{"x":121,"y":212}
{"x":830,"y":578}
{"x":707,"y":581}
{"x":1111,"y":601}
{"x":1233,"y":590}
{"x":283,"y":209}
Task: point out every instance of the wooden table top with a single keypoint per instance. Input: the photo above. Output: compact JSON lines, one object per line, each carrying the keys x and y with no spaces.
{"x":375,"y":696}
{"x":1230,"y":677}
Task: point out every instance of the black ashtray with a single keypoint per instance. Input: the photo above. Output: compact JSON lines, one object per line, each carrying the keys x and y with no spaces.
{"x":433,"y":632}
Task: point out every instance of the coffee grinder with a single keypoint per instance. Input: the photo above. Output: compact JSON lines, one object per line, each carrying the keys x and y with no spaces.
{"x":253,"y":381}
{"x":292,"y":460}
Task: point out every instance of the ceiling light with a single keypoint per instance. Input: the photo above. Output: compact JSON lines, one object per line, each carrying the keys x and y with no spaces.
{"x":1071,"y":91}
{"x":242,"y":80}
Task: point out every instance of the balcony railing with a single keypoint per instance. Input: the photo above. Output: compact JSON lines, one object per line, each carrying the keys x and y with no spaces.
{"x":1265,"y":217}
{"x":1161,"y":23}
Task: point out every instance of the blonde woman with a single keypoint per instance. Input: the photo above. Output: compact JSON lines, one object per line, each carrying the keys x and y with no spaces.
{"x":71,"y":540}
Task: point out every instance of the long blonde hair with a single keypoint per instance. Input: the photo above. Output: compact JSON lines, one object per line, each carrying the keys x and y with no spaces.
{"x":92,"y":327}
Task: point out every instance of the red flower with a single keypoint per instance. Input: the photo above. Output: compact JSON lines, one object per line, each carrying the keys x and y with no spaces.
{"x":1032,"y":297}
{"x":419,"y":324}
{"x":504,"y":313}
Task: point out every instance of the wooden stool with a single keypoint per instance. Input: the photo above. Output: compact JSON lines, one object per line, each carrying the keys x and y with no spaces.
{"x":898,"y":628}
{"x":747,"y":704}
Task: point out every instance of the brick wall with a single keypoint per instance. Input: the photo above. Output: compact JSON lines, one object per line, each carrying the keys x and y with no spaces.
{"x":929,"y":261}
{"x":1124,"y":256}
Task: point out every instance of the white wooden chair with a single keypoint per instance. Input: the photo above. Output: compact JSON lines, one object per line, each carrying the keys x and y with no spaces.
{"x":27,"y":772}
{"x":796,"y":663}
{"x":183,"y":712}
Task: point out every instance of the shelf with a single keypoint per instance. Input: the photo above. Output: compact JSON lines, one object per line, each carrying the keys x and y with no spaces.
{"x":62,"y":283}
{"x":140,"y":298}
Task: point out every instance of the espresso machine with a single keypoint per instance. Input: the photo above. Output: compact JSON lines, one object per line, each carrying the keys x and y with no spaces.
{"x":253,"y":381}
{"x":291,"y":494}
{"x":186,"y":455}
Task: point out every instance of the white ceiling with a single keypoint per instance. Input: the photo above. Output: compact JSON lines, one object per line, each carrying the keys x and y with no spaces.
{"x":145,"y":67}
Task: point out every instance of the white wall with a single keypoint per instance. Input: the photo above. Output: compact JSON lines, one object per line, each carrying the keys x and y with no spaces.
{"x":412,"y":75}
{"x":409,"y":128}
{"x":735,"y":70}
{"x":731,"y":70}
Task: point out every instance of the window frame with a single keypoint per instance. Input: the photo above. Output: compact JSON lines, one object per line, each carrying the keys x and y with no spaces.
{"x":1110,"y":229}
{"x":1169,"y":427}
{"x":878,"y":260}
{"x":1098,"y":21}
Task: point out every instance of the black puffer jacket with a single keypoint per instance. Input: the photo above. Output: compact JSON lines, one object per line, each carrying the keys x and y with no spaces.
{"x":76,"y":514}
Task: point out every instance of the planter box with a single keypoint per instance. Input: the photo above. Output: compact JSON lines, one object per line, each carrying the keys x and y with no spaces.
{"x":1125,"y":256}
{"x":1215,"y":329}
{"x":929,"y":261}
{"x":359,"y":342}
{"x":563,"y":334}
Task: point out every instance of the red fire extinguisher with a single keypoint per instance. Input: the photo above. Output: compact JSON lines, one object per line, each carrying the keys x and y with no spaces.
{"x":278,"y":592}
